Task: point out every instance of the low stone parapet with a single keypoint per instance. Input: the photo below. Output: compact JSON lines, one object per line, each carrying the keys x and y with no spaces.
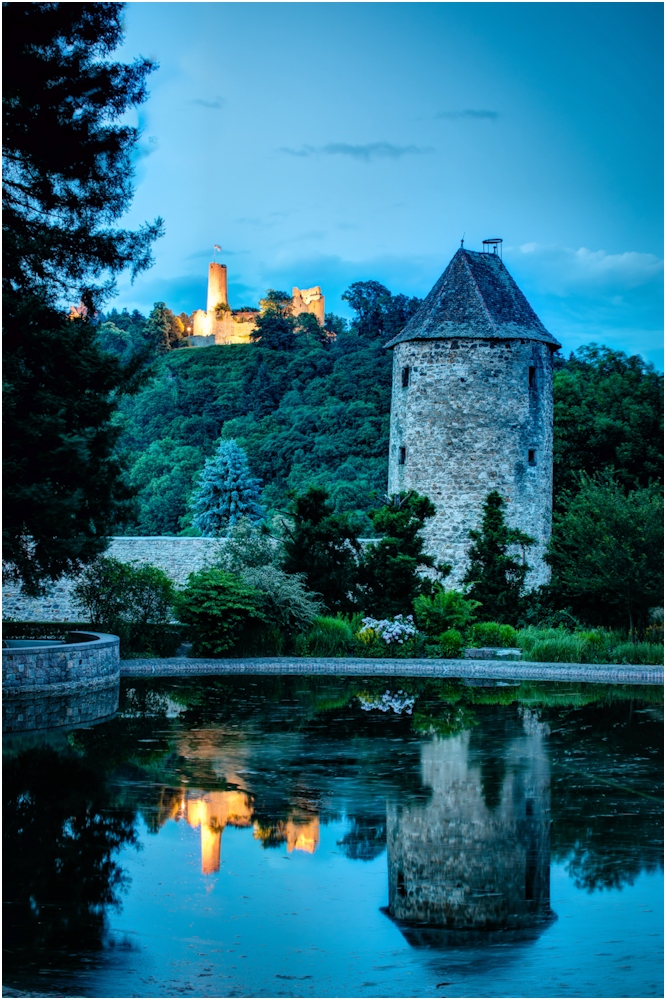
{"x":595,"y":673}
{"x":36,"y":668}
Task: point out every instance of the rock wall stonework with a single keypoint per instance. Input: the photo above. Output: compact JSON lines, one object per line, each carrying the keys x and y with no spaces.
{"x":476,"y":857}
{"x":178,"y":557}
{"x":24,"y":713}
{"x":469,"y":416}
{"x":61,"y":668}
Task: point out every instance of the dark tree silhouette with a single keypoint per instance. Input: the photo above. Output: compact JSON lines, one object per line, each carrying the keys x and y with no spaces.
{"x":67,"y":180}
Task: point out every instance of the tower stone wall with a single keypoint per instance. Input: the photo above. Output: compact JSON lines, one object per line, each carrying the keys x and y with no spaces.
{"x":217,"y":286}
{"x":472,"y":410}
{"x":466,"y":864}
{"x":475,"y":416}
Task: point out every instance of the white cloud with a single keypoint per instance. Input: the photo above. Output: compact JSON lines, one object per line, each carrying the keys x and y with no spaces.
{"x":560,"y":270}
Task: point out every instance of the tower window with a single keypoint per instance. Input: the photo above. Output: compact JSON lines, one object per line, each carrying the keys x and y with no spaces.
{"x":403,"y":455}
{"x":532,"y":377}
{"x":531,"y":456}
{"x":405,"y":377}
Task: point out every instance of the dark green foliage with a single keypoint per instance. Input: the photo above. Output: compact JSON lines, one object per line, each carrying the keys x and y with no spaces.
{"x":324,"y":547}
{"x":326,"y":637}
{"x":379,"y":315}
{"x":63,"y":484}
{"x":164,"y":476}
{"x":62,"y":830}
{"x":226,"y":492}
{"x":607,"y":551}
{"x":67,"y":180}
{"x":608,"y":416}
{"x":315,"y":414}
{"x":128,"y":601}
{"x":221,"y":609}
{"x":491,"y":634}
{"x":444,"y":610}
{"x":388,"y":573}
{"x":275,"y":325}
{"x":495,"y":577}
{"x":163,"y":329}
{"x":450,"y":644}
{"x":67,"y":160}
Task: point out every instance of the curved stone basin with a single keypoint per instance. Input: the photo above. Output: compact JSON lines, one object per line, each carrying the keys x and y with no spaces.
{"x":51,"y":682}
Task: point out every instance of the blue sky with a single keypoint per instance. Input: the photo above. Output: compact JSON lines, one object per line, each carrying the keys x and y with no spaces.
{"x":324,"y":143}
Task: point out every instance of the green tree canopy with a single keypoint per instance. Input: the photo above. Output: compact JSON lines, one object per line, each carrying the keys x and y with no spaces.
{"x":324,"y":547}
{"x":275,"y":325}
{"x":608,"y":416}
{"x":67,"y":181}
{"x":66,"y":155}
{"x":63,"y":487}
{"x":607,"y":550}
{"x":389,"y":571}
{"x":495,"y":577}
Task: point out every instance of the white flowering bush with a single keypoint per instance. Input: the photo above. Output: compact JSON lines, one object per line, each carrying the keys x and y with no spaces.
{"x":391,"y":630}
{"x":398,"y":702}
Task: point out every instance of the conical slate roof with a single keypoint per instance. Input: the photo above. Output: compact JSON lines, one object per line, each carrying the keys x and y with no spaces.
{"x":475,"y":297}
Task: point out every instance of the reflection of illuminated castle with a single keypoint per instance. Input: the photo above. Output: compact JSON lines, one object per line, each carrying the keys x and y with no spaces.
{"x":459,"y":863}
{"x":219,"y":324}
{"x":214,"y":811}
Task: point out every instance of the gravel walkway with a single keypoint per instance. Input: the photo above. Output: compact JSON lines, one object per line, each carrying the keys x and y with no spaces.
{"x":596,"y":673}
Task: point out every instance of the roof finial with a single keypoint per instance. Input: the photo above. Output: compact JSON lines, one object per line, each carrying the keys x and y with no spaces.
{"x":462,"y":242}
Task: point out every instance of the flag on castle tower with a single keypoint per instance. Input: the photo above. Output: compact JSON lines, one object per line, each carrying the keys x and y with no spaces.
{"x":216,"y":247}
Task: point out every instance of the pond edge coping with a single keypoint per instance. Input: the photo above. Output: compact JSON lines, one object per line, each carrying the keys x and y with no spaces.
{"x":599,"y":673}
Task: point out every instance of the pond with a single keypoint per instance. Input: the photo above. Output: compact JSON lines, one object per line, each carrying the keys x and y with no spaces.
{"x":340,"y":837}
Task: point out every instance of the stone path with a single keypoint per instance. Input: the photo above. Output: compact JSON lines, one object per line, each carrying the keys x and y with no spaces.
{"x":599,"y":673}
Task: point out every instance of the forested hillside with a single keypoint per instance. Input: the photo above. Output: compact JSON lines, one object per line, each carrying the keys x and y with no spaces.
{"x":315,"y":410}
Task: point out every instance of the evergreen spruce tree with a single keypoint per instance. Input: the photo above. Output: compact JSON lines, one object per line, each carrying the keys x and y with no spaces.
{"x":496,"y":578}
{"x":389,"y":572}
{"x":324,"y":547}
{"x":226,"y":492}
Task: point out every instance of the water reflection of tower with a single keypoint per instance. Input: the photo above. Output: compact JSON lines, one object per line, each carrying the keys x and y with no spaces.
{"x":468,"y":860}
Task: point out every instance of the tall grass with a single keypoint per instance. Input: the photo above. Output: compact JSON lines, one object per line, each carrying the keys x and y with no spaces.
{"x":556,"y":645}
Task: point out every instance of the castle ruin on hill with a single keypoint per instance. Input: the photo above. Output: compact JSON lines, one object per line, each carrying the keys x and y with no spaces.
{"x":218,"y":323}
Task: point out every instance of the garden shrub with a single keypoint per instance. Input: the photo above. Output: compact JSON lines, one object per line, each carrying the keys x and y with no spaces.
{"x":221,"y":609}
{"x":288,"y":607}
{"x":286,"y":604}
{"x":446,"y":609}
{"x":132,"y":602}
{"x":450,"y":644}
{"x":491,"y":634}
{"x":393,"y":637}
{"x":326,"y":637}
{"x":648,"y":653}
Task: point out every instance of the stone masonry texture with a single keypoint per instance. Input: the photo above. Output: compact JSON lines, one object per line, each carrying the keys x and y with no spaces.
{"x":472,"y":410}
{"x":178,"y":557}
{"x":61,"y":668}
{"x":469,"y":422}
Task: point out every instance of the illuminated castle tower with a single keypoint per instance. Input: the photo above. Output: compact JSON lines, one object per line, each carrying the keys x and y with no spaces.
{"x":219,"y":324}
{"x":473,"y":858}
{"x":472,"y":408}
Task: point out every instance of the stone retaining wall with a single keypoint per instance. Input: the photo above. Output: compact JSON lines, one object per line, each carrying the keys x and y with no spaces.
{"x":595,"y":673}
{"x":178,"y":557}
{"x":61,"y":668}
{"x":24,"y":713}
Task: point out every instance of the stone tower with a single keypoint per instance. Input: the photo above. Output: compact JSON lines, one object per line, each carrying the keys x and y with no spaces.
{"x":476,"y":856}
{"x":217,"y":286}
{"x":472,"y":409}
